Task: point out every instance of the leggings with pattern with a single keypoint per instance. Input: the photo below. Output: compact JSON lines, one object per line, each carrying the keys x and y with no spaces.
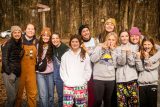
{"x":127,"y":94}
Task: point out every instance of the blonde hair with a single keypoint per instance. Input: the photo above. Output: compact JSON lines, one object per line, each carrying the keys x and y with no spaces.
{"x":112,"y":34}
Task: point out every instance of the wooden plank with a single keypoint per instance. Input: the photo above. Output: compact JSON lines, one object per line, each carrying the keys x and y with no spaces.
{"x":44,"y":10}
{"x":42,"y":5}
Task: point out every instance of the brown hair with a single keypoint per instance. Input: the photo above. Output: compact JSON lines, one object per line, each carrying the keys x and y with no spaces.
{"x":123,"y":30}
{"x":49,"y":50}
{"x":153,"y":50}
{"x":83,"y":52}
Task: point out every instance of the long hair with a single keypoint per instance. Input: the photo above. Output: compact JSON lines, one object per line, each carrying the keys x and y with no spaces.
{"x":112,"y":34}
{"x":49,"y":50}
{"x":83,"y":52}
{"x":153,"y":50}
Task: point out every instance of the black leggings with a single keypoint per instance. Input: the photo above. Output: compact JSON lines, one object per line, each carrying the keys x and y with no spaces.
{"x":103,"y":91}
{"x":148,"y":95}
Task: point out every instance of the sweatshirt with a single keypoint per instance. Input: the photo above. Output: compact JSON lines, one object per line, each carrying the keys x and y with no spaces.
{"x":148,"y":72}
{"x":104,"y":64}
{"x":74,"y":70}
{"x":126,"y":70}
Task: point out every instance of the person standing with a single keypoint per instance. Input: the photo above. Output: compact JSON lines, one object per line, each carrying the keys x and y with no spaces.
{"x":103,"y":58}
{"x":89,"y":45}
{"x":28,"y":73}
{"x":11,"y":68}
{"x":126,"y":74}
{"x":59,"y":48}
{"x":45,"y":69}
{"x":148,"y":73}
{"x":75,"y":71}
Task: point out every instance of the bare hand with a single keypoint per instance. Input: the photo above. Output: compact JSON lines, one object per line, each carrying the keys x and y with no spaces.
{"x":146,"y":55}
{"x":138,"y":54}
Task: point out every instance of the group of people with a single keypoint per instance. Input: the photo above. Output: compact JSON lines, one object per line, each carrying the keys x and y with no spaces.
{"x":110,"y":70}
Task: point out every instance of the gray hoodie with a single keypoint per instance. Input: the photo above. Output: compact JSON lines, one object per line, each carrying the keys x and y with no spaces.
{"x":148,"y":72}
{"x":104,"y":64}
{"x":126,"y":70}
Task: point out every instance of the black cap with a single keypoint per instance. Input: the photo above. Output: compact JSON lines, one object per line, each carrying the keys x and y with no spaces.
{"x":81,"y":28}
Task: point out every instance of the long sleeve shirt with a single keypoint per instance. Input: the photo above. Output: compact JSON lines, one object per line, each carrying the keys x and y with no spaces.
{"x":74,"y":70}
{"x":126,"y":70}
{"x":148,"y":72}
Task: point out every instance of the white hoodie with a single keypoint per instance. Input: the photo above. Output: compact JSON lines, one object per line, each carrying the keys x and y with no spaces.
{"x":75,"y":71}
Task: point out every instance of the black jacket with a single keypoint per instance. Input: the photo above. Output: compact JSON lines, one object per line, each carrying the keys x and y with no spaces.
{"x":11,"y":57}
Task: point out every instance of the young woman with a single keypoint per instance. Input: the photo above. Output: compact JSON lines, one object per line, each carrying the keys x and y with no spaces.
{"x":75,"y":71}
{"x":109,"y":26}
{"x":11,"y":64}
{"x":103,"y":58}
{"x":89,"y":45}
{"x":59,"y":48}
{"x":148,"y":74}
{"x":45,"y":75}
{"x":28,"y":74}
{"x":126,"y":74}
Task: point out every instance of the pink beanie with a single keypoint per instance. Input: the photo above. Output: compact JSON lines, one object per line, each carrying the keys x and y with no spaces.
{"x":134,"y":31}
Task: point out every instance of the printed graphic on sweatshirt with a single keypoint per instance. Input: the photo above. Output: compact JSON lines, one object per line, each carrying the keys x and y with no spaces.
{"x":106,"y":59}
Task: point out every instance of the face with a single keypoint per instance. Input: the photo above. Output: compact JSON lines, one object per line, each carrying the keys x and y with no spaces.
{"x":109,"y":27}
{"x":56,"y":40}
{"x":111,"y":41}
{"x":135,"y":39}
{"x":124,"y":38}
{"x":85,"y":33}
{"x":16,"y":34}
{"x":45,"y":38}
{"x":30,"y":31}
{"x":75,"y":45}
{"x":147,"y":45}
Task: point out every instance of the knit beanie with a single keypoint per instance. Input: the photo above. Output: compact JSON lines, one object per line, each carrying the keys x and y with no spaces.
{"x":134,"y":31}
{"x":15,"y":28}
{"x":81,"y":28}
{"x":111,"y":20}
{"x":46,"y":30}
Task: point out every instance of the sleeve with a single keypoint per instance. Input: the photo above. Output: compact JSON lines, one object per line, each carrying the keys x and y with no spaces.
{"x":88,"y":68}
{"x":114,"y":57}
{"x":121,"y":58}
{"x":5,"y":57}
{"x":155,"y":57}
{"x":63,"y":68}
{"x":96,"y":55}
{"x":139,"y":65}
{"x":150,"y":66}
{"x":131,"y":59}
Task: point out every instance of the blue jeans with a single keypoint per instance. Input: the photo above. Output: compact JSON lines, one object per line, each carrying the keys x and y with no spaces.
{"x":58,"y":82}
{"x":45,"y":89}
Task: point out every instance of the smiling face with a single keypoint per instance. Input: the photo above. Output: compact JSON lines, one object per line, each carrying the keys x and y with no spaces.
{"x":109,"y":27}
{"x":75,"y":44}
{"x":124,"y":38}
{"x":135,"y":39}
{"x":56,"y":41}
{"x":16,"y":34}
{"x":30,"y":30}
{"x":85,"y":33}
{"x":45,"y":38}
{"x":147,"y":45}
